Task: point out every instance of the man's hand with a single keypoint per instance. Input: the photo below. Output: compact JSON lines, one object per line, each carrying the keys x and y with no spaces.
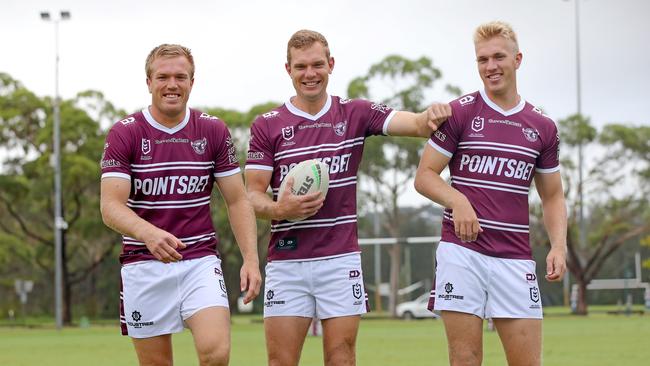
{"x":556,"y":264}
{"x":291,"y":206}
{"x":250,"y":280}
{"x":466,"y":225}
{"x":163,"y":246}
{"x":437,"y":114}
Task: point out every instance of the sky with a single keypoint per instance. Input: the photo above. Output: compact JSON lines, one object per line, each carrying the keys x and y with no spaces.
{"x":240,"y":47}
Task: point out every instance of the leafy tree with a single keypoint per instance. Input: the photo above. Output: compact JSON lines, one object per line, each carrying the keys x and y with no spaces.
{"x":26,"y":187}
{"x":389,"y":164}
{"x":614,"y":216}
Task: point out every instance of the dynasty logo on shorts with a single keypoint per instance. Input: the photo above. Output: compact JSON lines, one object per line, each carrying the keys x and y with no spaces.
{"x":449,"y":288}
{"x":270,"y":294}
{"x":354,"y":274}
{"x":136,"y":323}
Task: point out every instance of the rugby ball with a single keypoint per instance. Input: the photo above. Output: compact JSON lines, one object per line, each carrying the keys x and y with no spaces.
{"x":309,"y":176}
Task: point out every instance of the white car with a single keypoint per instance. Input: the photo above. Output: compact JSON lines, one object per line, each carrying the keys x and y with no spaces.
{"x":416,"y":309}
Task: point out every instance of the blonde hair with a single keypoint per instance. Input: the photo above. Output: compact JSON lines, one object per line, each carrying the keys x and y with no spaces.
{"x":305,"y":38}
{"x":496,"y":29}
{"x":169,"y":50}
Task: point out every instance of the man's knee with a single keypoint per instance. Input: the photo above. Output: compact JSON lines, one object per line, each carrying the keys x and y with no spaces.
{"x":465,"y":356}
{"x":216,"y":356}
{"x":341,"y":352}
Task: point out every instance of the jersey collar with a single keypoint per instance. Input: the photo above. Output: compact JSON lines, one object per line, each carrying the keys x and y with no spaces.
{"x":516,"y":109}
{"x":160,"y":127}
{"x":293,"y":109}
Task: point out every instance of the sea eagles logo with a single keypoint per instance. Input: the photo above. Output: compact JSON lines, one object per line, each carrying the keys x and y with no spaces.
{"x":478,"y":123}
{"x":199,"y":145}
{"x":146,"y":146}
{"x":287,"y":133}
{"x":530,"y":134}
{"x":340,"y":128}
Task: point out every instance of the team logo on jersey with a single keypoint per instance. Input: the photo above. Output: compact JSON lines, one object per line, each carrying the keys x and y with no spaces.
{"x":199,"y":145}
{"x":441,"y":136}
{"x":478,"y":123}
{"x":270,"y":114}
{"x":379,"y":107}
{"x":530,"y":134}
{"x":287,"y":133}
{"x":344,"y":100}
{"x":534,"y":294}
{"x":356,"y":290}
{"x":146,"y":146}
{"x":339,"y":128}
{"x":207,"y":116}
{"x":127,"y":121}
{"x":466,"y":100}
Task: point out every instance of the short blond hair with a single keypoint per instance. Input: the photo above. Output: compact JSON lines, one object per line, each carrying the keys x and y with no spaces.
{"x":496,"y":29}
{"x":169,"y":50}
{"x":305,"y":38}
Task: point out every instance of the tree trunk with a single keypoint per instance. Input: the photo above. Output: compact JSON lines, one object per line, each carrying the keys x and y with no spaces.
{"x":395,"y":269}
{"x":581,"y":308}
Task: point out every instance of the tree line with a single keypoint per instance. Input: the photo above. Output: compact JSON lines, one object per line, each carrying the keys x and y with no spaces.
{"x":617,"y":210}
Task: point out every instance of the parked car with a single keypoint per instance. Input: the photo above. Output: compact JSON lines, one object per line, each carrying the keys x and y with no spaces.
{"x":416,"y":309}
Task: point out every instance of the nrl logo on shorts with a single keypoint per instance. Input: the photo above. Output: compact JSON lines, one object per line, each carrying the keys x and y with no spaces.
{"x":199,"y":145}
{"x":339,"y":128}
{"x":287,"y":133}
{"x":146,"y":146}
{"x":478,"y":123}
{"x":356,"y":290}
{"x":534,"y":294}
{"x":530,"y":134}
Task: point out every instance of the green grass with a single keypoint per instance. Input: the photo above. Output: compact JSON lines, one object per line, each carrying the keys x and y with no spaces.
{"x":599,"y":339}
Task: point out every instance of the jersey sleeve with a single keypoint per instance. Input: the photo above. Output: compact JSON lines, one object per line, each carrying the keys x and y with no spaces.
{"x":445,"y":140}
{"x":118,"y":152}
{"x":549,"y":158}
{"x":225,"y":157}
{"x":375,"y":116}
{"x":260,"y":153}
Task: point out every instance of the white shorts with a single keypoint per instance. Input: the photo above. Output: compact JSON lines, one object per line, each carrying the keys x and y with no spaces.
{"x":157,"y":298}
{"x":323,"y":288}
{"x":488,"y":287}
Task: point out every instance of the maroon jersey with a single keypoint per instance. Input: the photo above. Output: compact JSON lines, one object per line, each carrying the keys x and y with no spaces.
{"x":284,"y":137}
{"x":494,"y":156}
{"x":172,"y":171}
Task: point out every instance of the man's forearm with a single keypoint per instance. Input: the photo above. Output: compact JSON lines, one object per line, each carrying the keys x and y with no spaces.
{"x":244,"y":227}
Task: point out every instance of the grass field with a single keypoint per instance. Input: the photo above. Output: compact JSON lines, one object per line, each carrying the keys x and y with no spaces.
{"x":599,"y":339}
